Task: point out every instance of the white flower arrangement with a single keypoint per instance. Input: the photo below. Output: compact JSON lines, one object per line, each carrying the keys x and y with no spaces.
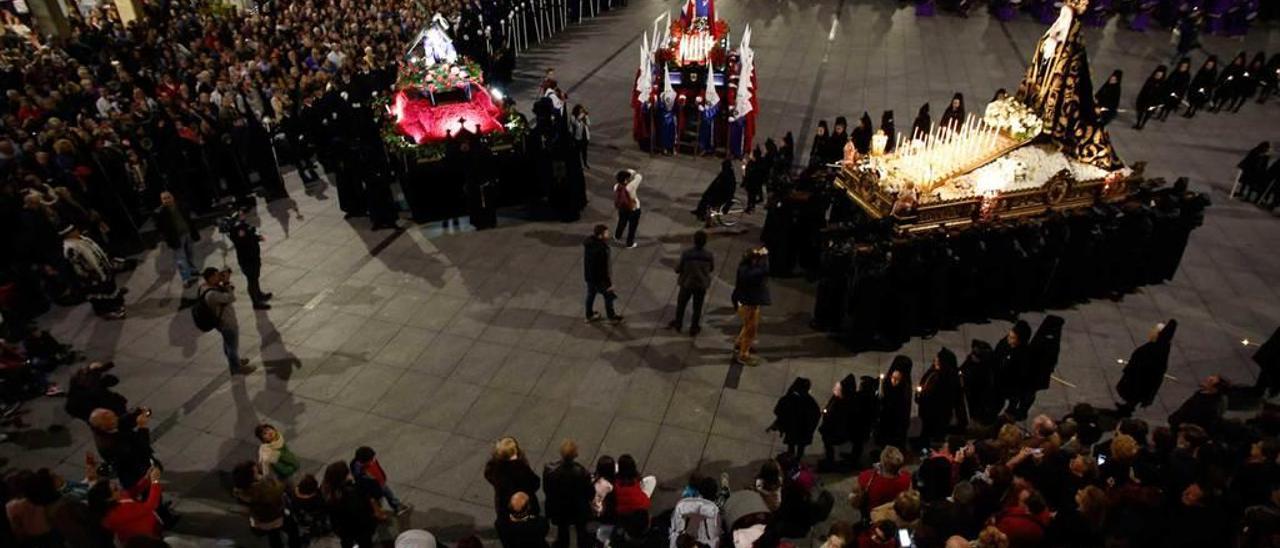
{"x":1012,"y":117}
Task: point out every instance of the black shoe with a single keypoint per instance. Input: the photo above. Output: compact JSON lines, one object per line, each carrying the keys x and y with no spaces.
{"x":674,"y":326}
{"x":593,"y":318}
{"x":616,"y":318}
{"x":694,"y":330}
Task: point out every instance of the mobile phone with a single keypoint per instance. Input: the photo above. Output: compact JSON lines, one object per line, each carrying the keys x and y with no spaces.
{"x":1102,"y":459}
{"x":1037,"y":451}
{"x":904,"y":538}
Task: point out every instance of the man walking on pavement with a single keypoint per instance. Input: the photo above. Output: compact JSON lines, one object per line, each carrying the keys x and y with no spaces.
{"x":218,"y":294}
{"x":179,"y":233}
{"x":627,"y":202}
{"x":694,"y":271}
{"x":248,"y":244}
{"x":595,"y":268}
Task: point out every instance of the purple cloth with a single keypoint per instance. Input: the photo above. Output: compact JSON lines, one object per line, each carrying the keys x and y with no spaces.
{"x":925,"y":8}
{"x":1140,"y":22}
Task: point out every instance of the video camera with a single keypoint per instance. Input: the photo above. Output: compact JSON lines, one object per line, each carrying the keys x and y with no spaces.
{"x":227,"y":223}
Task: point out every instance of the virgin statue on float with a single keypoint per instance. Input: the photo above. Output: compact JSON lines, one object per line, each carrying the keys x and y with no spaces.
{"x":1057,"y":87}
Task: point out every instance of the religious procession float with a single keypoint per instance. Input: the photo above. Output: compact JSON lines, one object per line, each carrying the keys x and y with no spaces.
{"x":440,"y":97}
{"x":1027,"y":207}
{"x":693,"y":93}
{"x":1041,"y":149}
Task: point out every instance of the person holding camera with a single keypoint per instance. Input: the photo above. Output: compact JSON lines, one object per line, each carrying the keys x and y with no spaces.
{"x":218,"y":294}
{"x":750,"y":292}
{"x":248,"y":244}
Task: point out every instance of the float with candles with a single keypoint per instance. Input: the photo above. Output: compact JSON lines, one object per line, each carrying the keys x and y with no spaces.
{"x":693,"y":92}
{"x":440,"y":96}
{"x":1040,"y":150}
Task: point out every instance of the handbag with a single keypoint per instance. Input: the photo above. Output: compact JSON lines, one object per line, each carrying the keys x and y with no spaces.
{"x":286,"y":464}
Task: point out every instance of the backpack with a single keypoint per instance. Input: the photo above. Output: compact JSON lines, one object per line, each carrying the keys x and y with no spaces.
{"x":202,"y":314}
{"x":622,"y":198}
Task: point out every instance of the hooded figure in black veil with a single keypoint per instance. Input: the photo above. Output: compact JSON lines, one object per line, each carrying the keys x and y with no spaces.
{"x":953,"y":117}
{"x":922,"y":124}
{"x":1149,"y":97}
{"x":1269,"y":80}
{"x":1252,"y":180}
{"x":891,"y":132}
{"x":866,"y":413}
{"x":719,"y":192}
{"x":1045,"y":347}
{"x":978,"y":375}
{"x":796,"y":416}
{"x":1175,"y":88}
{"x":1202,"y":86}
{"x":895,"y":404}
{"x":1013,"y":369}
{"x":940,"y":398}
{"x":839,"y":136}
{"x":836,"y":417}
{"x":1000,"y":95}
{"x":1230,"y":82}
{"x":1268,"y":359}
{"x":862,"y":134}
{"x":1107,"y":99}
{"x":1144,"y":372}
{"x":821,"y":139}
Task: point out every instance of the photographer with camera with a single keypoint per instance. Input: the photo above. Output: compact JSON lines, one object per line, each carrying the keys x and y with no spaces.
{"x":214,"y":301}
{"x":248,"y":244}
{"x":750,"y":292}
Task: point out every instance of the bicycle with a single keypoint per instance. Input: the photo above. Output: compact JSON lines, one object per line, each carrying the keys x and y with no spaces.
{"x":727,"y":215}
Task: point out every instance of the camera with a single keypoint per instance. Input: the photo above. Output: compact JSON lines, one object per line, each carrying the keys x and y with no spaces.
{"x":227,"y":223}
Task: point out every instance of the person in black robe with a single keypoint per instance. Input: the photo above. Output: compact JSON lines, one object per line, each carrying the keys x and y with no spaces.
{"x":891,"y":132}
{"x":1202,"y":86}
{"x":862,"y":134}
{"x":953,"y":117}
{"x":1107,"y":98}
{"x":938,"y":397}
{"x":1013,"y":370}
{"x":1175,"y":88}
{"x":1253,"y":76}
{"x":818,"y":151}
{"x":978,"y":376}
{"x":1268,"y":359}
{"x":718,"y":193}
{"x":839,"y":136}
{"x":1144,"y":372}
{"x":754,"y":178}
{"x":866,"y":415}
{"x":1252,"y":180}
{"x":895,"y":404}
{"x":922,"y":124}
{"x":1044,"y":347}
{"x":1270,"y":79}
{"x":1000,"y":95}
{"x":1150,"y":96}
{"x":1230,"y":82}
{"x":835,"y":420}
{"x":795,"y":416}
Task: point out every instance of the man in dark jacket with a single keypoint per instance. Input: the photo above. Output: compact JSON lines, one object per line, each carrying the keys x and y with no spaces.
{"x":694,"y":271}
{"x":521,"y":527}
{"x":178,"y":232}
{"x":569,"y":494}
{"x":1205,"y":407}
{"x":750,"y":292}
{"x":595,"y":268}
{"x":248,"y":244}
{"x":124,"y":442}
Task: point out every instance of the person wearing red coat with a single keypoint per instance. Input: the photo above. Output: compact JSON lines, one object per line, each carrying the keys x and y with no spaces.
{"x":125,"y":517}
{"x":1025,"y":523}
{"x":630,"y":492}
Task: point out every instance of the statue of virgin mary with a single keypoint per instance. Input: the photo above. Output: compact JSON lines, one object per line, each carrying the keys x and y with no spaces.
{"x":1058,"y":88}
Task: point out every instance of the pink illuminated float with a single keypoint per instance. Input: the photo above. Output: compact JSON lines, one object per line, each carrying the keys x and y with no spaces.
{"x":439,"y":95}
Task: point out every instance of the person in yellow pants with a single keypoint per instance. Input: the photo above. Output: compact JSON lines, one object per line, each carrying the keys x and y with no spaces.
{"x":750,"y":292}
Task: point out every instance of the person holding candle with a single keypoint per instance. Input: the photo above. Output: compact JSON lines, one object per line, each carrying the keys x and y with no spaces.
{"x":923,"y":123}
{"x":954,"y":115}
{"x":1149,"y":98}
{"x":895,"y":403}
{"x":1107,"y":98}
{"x":939,"y":397}
{"x":890,"y":132}
{"x":862,"y":135}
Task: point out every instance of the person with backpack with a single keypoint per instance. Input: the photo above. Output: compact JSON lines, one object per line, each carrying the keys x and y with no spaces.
{"x":213,"y":311}
{"x":627,"y":202}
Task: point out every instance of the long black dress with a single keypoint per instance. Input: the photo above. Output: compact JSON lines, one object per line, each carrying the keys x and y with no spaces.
{"x":895,"y":404}
{"x":1175,"y":88}
{"x":940,"y":394}
{"x":1045,"y":346}
{"x":1202,"y":86}
{"x":1149,"y":97}
{"x":1144,"y":372}
{"x":835,"y":419}
{"x":953,"y":117}
{"x":796,"y":415}
{"x":979,"y":378}
{"x":1013,"y":368}
{"x":1107,"y":98}
{"x":862,"y":134}
{"x":922,"y":124}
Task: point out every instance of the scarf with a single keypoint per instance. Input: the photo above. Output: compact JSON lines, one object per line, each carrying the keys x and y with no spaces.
{"x":269,"y":453}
